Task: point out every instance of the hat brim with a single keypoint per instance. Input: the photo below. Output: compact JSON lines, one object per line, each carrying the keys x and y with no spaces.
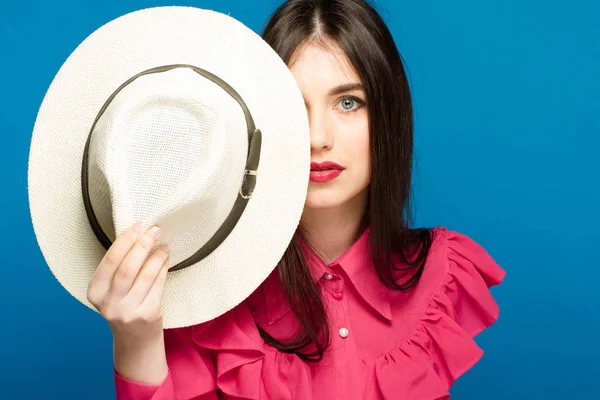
{"x":108,"y":57}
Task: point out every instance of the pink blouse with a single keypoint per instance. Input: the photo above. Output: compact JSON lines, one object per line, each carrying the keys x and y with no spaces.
{"x":385,"y":344}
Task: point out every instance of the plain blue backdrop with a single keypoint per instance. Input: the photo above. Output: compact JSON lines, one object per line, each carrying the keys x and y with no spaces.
{"x":507,"y":109}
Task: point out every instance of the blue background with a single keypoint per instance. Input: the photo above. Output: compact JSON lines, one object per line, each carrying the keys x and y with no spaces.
{"x":507,"y":102}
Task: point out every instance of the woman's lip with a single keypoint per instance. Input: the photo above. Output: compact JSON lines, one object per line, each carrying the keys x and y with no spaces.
{"x":325,"y":165}
{"x":324,"y":176}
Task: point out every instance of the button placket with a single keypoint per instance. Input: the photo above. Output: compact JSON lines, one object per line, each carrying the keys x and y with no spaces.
{"x":334,"y":284}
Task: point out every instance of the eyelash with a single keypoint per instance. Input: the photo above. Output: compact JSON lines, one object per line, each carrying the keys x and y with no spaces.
{"x":358,"y":101}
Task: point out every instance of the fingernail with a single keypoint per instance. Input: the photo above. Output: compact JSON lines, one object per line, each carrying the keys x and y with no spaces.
{"x":137,"y":227}
{"x":155,"y":232}
{"x":165,"y":248}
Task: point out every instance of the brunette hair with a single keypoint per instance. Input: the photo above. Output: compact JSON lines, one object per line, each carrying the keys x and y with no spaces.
{"x":397,"y":250}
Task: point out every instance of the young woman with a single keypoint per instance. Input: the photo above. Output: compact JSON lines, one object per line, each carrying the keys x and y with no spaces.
{"x":361,"y":305}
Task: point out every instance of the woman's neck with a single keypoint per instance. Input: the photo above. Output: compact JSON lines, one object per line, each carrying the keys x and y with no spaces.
{"x":332,"y":231}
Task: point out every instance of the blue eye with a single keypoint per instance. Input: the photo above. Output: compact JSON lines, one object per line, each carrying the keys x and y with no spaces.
{"x":348,"y":104}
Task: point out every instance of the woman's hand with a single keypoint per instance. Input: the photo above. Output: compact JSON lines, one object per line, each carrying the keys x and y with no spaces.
{"x":128,"y":284}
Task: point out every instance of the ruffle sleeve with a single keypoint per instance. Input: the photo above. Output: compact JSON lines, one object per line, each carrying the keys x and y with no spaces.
{"x":236,"y":355}
{"x":441,"y":346}
{"x":226,"y":359}
{"x":247,"y":368}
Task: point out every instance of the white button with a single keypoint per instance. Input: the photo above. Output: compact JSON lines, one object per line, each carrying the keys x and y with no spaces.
{"x":344,"y":332}
{"x":328,"y":276}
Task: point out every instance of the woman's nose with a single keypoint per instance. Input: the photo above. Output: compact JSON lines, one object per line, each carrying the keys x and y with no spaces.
{"x":321,"y":135}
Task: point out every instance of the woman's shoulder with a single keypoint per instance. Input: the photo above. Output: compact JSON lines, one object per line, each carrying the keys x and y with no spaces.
{"x":454,"y":255}
{"x":456,"y":278}
{"x":453,"y":258}
{"x":451,"y":304}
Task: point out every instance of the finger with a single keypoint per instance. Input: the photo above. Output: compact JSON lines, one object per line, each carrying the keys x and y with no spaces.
{"x":153,"y":299}
{"x":105,"y":272}
{"x":133,"y":262}
{"x":146,"y":277}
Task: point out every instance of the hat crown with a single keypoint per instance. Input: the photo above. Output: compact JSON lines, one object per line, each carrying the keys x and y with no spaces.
{"x":172,"y":151}
{"x":169,"y":149}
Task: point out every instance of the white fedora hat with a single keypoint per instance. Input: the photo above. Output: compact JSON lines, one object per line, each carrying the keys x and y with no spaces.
{"x":181,"y":117}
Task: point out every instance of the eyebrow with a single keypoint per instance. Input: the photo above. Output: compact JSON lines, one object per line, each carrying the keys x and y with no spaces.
{"x":345,"y":88}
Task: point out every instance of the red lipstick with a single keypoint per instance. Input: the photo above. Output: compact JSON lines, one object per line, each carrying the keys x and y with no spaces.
{"x":325,"y":171}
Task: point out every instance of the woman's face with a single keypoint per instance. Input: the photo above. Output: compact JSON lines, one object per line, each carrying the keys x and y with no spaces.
{"x":339,"y":125}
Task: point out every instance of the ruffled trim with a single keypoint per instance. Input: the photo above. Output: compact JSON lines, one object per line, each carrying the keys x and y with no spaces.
{"x":438,"y":350}
{"x":238,"y":357}
{"x":441,"y":347}
{"x":242,"y":360}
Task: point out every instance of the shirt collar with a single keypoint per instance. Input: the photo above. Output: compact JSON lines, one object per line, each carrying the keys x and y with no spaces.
{"x":355,"y":263}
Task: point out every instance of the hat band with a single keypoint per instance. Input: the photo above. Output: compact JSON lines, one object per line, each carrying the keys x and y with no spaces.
{"x":244,"y":194}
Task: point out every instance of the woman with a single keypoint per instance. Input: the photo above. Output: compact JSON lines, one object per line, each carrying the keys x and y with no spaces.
{"x":361,"y":306}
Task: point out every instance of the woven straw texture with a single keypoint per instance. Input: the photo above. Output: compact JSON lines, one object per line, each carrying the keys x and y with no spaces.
{"x":170,"y":150}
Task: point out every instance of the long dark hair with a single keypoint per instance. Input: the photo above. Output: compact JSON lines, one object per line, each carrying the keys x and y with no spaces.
{"x":397,"y":250}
